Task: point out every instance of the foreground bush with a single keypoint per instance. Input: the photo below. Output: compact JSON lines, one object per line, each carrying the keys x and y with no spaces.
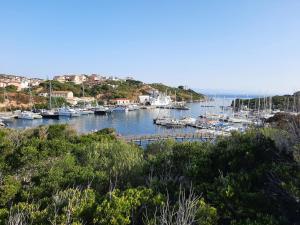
{"x":52,"y":175}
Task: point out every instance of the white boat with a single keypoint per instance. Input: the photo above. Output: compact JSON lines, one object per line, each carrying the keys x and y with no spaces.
{"x":188,"y":120}
{"x":2,"y":124}
{"x":133,"y":107}
{"x":174,"y":123}
{"x":162,"y":120}
{"x":7,"y":117}
{"x":160,"y":100}
{"x":239,"y":120}
{"x":65,"y":111}
{"x":37,"y":116}
{"x":86,"y":111}
{"x":26,"y":115}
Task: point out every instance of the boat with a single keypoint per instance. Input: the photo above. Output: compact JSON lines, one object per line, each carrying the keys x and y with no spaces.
{"x":66,"y":111}
{"x":120,"y":109}
{"x":2,"y":124}
{"x":8,"y":117}
{"x":133,"y":107}
{"x":86,"y":111}
{"x":101,"y":110}
{"x":26,"y":115}
{"x":37,"y":116}
{"x":50,"y":114}
{"x":188,"y":120}
{"x":173,"y":123}
{"x":160,"y":100}
{"x":239,"y":120}
{"x":162,"y":120}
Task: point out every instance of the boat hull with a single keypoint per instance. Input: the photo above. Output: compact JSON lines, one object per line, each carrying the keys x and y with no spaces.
{"x":49,"y":116}
{"x":100,"y":112}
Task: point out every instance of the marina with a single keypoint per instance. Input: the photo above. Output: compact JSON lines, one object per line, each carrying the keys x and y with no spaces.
{"x":142,"y":121}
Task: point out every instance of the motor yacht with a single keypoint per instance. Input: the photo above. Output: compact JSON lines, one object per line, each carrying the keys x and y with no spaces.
{"x":65,"y":111}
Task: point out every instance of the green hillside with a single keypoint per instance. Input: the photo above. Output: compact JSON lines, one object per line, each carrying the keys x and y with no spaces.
{"x":120,"y":89}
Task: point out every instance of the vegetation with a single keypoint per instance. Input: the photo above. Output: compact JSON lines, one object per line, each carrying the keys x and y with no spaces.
{"x":52,"y":175}
{"x":111,"y":89}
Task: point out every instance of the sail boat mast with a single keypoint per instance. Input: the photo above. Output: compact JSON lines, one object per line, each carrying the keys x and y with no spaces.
{"x":50,"y":95}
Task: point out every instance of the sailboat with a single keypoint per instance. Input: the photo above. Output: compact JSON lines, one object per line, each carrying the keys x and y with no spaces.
{"x":85,"y":110}
{"x":50,"y":114}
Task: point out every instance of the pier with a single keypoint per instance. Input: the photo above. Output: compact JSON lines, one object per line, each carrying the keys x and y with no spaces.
{"x":146,"y":139}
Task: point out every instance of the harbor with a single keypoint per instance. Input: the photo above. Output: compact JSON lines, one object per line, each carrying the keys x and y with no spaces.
{"x":215,"y":117}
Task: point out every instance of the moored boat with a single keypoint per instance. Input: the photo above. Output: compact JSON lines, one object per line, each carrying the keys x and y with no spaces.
{"x":50,"y":114}
{"x":65,"y":111}
{"x":101,"y":110}
{"x":26,"y":115}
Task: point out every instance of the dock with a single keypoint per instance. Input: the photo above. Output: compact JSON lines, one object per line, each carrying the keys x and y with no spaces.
{"x":146,"y":139}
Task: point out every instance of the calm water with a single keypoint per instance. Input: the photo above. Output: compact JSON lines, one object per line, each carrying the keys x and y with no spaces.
{"x":138,"y":122}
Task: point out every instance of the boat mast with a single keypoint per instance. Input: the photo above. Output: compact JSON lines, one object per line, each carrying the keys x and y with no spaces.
{"x":31,"y":99}
{"x":83,"y":94}
{"x":294,"y":103}
{"x":50,"y":95}
{"x":258,"y":105}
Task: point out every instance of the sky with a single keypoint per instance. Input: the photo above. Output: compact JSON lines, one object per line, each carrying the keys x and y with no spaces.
{"x":246,"y":46}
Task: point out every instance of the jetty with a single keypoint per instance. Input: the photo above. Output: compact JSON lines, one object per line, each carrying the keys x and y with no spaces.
{"x":146,"y":139}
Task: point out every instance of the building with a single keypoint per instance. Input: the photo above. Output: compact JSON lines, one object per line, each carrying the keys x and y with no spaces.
{"x":121,"y":101}
{"x":60,"y":79}
{"x":78,"y":79}
{"x":62,"y":94}
{"x":35,"y":82}
{"x":95,"y":79}
{"x":43,"y":94}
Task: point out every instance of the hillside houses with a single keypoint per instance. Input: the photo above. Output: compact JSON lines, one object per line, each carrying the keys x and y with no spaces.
{"x":19,"y":82}
{"x":84,"y":78}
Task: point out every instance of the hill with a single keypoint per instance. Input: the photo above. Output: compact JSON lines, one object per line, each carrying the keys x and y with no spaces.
{"x":111,"y":89}
{"x":107,"y":90}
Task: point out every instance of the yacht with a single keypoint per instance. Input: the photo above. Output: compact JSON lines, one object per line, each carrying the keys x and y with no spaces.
{"x":65,"y":111}
{"x":26,"y":115}
{"x":50,"y":114}
{"x":160,"y":100}
{"x":86,"y":111}
{"x":8,"y":118}
{"x":120,"y":109}
{"x":133,"y":107}
{"x":162,"y":120}
{"x":37,"y":116}
{"x":174,"y":123}
{"x":188,"y":120}
{"x":101,"y":110}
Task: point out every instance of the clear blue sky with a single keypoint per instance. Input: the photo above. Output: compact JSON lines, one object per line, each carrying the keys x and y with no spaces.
{"x":248,"y":45}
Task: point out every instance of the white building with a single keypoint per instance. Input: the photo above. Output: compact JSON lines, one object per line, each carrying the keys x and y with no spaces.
{"x":63,"y":94}
{"x":121,"y":101}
